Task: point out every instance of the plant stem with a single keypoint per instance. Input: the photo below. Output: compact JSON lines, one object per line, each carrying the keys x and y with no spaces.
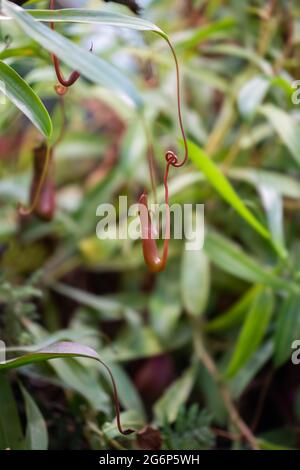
{"x":234,"y":416}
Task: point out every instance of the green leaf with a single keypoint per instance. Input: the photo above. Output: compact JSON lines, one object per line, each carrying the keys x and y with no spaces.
{"x":272,"y":202}
{"x":233,"y":315}
{"x":287,"y":329}
{"x":242,"y":53}
{"x":82,"y":379}
{"x":26,"y":51}
{"x":165,"y":303}
{"x":195,"y":281}
{"x":283,"y":184}
{"x":134,"y":146}
{"x":252,"y":332}
{"x":74,"y":374}
{"x":286,"y":127}
{"x":245,"y":376}
{"x":107,"y":18}
{"x":224,"y":187}
{"x":36,"y":430}
{"x":212,"y":397}
{"x":53,"y":351}
{"x":267,"y":445}
{"x":251,"y":95}
{"x":90,"y":66}
{"x":284,"y":83}
{"x":20,"y":93}
{"x":11,"y":436}
{"x":134,"y":343}
{"x":194,"y":37}
{"x":131,"y":419}
{"x":65,"y":349}
{"x":232,"y":259}
{"x":168,"y":406}
{"x":109,"y":309}
{"x":278,"y":438}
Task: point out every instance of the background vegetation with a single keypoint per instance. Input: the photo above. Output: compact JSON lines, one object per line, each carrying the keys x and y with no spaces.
{"x":201,"y":353}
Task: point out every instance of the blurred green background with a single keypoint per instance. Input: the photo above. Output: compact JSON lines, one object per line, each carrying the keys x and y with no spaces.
{"x":201,"y":353}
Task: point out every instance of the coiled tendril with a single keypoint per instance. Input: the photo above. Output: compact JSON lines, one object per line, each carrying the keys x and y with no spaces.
{"x":154,"y":262}
{"x":64,"y":84}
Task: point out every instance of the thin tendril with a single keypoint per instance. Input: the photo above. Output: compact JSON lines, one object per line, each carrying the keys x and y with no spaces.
{"x":74,"y":75}
{"x":125,"y":432}
{"x":152,"y":259}
{"x":28,"y":210}
{"x":171,"y":157}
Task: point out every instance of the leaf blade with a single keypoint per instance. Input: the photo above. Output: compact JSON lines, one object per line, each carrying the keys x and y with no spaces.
{"x":93,"y":68}
{"x":108,"y":18}
{"x":195,"y":281}
{"x":224,"y":187}
{"x":36,"y":431}
{"x":53,"y":351}
{"x":11,"y":436}
{"x":286,"y":128}
{"x":252,"y":332}
{"x":22,"y":96}
{"x":232,"y":259}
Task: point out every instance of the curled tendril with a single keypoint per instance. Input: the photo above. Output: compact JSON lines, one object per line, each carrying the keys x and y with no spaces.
{"x":171,"y":157}
{"x":74,"y":76}
{"x":154,"y":262}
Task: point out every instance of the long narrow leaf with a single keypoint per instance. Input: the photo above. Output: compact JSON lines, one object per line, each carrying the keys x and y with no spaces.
{"x":286,"y":127}
{"x":20,"y":93}
{"x":36,"y":430}
{"x":234,"y":315}
{"x":253,"y":331}
{"x":224,"y":187}
{"x":53,"y":351}
{"x":92,"y":67}
{"x":11,"y":436}
{"x":107,"y":18}
{"x":195,"y":281}
{"x":232,"y":259}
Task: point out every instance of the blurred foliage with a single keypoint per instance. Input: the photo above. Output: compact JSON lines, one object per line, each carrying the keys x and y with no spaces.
{"x":202,"y":351}
{"x":191,"y":431}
